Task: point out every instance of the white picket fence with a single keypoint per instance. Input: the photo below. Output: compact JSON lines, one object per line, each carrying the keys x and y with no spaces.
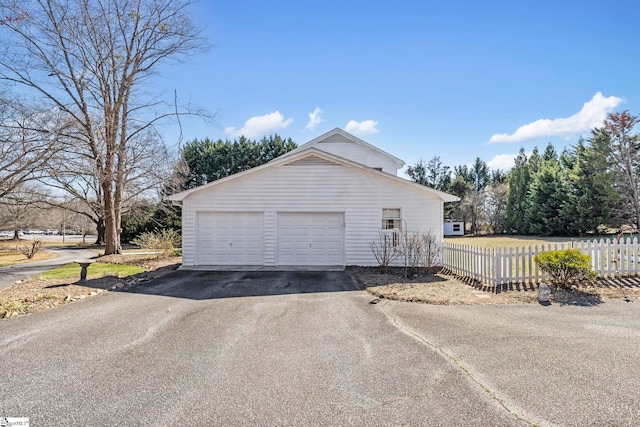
{"x":515,"y":265}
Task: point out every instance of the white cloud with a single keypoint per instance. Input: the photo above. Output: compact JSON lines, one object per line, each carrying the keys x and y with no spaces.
{"x":592,"y":115}
{"x":260,"y":126}
{"x":365,"y":127}
{"x":314,"y":119}
{"x":502,"y":161}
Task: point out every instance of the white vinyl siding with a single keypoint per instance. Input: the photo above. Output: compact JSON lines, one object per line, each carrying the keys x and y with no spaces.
{"x":341,"y":146}
{"x":310,"y":238}
{"x":230,"y":238}
{"x":317,"y":187}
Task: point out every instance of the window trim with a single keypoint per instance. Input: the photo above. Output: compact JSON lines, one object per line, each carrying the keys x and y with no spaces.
{"x":396,"y":219}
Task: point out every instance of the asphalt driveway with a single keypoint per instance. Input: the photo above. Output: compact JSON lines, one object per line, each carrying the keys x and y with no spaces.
{"x":558,"y":365}
{"x":308,"y":348}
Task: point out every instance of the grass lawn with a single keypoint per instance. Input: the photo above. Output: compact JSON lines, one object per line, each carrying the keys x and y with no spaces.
{"x":60,"y":286}
{"x":502,"y":241}
{"x":10,"y":255}
{"x":94,"y":271}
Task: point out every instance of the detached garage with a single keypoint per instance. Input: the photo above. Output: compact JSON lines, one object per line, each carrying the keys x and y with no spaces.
{"x":320,"y":205}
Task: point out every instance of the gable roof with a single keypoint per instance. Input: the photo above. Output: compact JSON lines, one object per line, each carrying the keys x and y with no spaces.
{"x":315,"y":154}
{"x":352,"y":138}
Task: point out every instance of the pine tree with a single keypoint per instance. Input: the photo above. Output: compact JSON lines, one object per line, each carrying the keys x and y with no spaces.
{"x":517,"y":197}
{"x":592,"y":195}
{"x":547,"y":195}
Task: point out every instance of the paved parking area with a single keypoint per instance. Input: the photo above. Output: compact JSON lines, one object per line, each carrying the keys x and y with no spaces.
{"x":308,"y":348}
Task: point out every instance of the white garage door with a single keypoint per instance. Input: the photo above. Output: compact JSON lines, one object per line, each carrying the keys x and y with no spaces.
{"x":230,"y":238}
{"x":315,"y":238}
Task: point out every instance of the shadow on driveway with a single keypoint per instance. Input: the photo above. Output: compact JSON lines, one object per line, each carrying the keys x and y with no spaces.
{"x":201,"y":285}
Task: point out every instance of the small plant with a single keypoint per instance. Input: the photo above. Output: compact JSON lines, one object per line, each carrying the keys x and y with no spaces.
{"x":420,"y":249}
{"x":160,"y":240}
{"x":566,"y":267}
{"x":385,"y":250}
{"x":412,"y":252}
{"x":44,"y":297}
{"x":415,"y":249}
{"x":10,"y":307}
{"x":30,"y":250}
{"x":431,"y":251}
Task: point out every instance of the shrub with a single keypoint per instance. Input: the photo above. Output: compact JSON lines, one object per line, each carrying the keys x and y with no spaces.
{"x":415,"y":249}
{"x":385,"y":250}
{"x":158,"y":240}
{"x":566,"y":267}
{"x":412,"y":252}
{"x":30,"y":250}
{"x":149,"y":218}
{"x":431,"y":251}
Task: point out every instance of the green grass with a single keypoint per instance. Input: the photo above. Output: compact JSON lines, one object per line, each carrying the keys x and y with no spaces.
{"x":500,"y":241}
{"x":94,"y":271}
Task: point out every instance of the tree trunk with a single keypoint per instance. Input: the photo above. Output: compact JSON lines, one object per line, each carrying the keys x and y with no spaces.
{"x":101,"y":234}
{"x":112,"y":235}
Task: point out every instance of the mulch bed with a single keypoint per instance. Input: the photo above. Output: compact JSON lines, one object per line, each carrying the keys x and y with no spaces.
{"x":444,"y":289}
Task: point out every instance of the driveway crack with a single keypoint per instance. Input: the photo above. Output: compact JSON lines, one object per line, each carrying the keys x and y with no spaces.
{"x":459,"y":365}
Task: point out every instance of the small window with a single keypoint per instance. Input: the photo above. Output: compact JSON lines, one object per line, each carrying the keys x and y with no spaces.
{"x":456,"y":227}
{"x":391,"y":219}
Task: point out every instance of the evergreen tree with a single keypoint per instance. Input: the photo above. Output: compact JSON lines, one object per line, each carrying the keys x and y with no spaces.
{"x":479,"y":175}
{"x":547,"y":195}
{"x":438,"y":175}
{"x":534,"y":161}
{"x":498,"y":176}
{"x":204,"y":161}
{"x":418,"y":173}
{"x":432,"y":174}
{"x":519,"y":178}
{"x":549,"y":153}
{"x":592,"y":196}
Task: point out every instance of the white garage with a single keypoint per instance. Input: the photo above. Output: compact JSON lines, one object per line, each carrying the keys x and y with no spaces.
{"x":310,"y":238}
{"x":320,"y":205}
{"x":230,"y":238}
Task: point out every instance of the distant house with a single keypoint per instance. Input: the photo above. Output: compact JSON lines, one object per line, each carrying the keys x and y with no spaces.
{"x":319,"y":205}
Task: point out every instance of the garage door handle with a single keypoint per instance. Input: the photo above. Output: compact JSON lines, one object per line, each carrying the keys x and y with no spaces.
{"x":309,"y":244}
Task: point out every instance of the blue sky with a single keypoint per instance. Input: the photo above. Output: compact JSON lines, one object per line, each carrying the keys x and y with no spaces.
{"x":457,"y":79}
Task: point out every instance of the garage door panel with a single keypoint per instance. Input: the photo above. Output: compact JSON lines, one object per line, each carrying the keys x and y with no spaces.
{"x":231,"y":238}
{"x":310,"y":238}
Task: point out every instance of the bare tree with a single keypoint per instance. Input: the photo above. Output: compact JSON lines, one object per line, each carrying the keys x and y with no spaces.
{"x":495,"y":207}
{"x":19,"y":209}
{"x":624,"y":152}
{"x":93,"y":60}
{"x":28,"y":139}
{"x":73,"y":171}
